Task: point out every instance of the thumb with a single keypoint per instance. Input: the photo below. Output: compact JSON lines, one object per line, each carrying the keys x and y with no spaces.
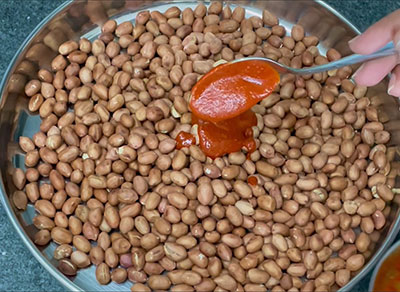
{"x":378,"y":35}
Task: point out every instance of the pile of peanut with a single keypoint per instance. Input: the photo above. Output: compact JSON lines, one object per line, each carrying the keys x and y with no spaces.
{"x":111,"y":189}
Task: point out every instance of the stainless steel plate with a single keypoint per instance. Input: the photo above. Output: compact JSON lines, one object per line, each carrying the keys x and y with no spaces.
{"x":79,"y":19}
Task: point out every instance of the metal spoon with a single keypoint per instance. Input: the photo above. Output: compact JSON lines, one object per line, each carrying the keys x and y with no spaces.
{"x":388,"y":50}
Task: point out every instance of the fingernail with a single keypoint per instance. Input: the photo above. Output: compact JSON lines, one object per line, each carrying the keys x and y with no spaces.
{"x":392,"y":83}
{"x":397,"y":46}
{"x":358,"y":71}
{"x":353,"y":39}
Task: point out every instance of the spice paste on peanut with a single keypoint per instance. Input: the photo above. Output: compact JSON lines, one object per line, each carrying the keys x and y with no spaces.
{"x":221,"y":105}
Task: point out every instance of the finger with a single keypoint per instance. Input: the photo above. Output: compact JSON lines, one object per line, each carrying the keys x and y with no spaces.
{"x":378,"y":35}
{"x":394,"y":83}
{"x":372,"y":72}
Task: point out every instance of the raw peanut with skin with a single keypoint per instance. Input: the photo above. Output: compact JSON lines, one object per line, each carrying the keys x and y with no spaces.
{"x":226,"y":282}
{"x":20,"y":200}
{"x":19,"y":178}
{"x":258,"y":276}
{"x":273,"y":269}
{"x":61,"y":235}
{"x":159,"y":282}
{"x":103,"y":274}
{"x":80,"y":259}
{"x":355,"y":262}
{"x":62,"y":251}
{"x":42,"y":237}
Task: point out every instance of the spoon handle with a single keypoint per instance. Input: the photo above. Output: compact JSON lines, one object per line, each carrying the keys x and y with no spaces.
{"x":388,"y":50}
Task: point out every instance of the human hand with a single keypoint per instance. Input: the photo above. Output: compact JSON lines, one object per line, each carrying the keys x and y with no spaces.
{"x":373,"y":39}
